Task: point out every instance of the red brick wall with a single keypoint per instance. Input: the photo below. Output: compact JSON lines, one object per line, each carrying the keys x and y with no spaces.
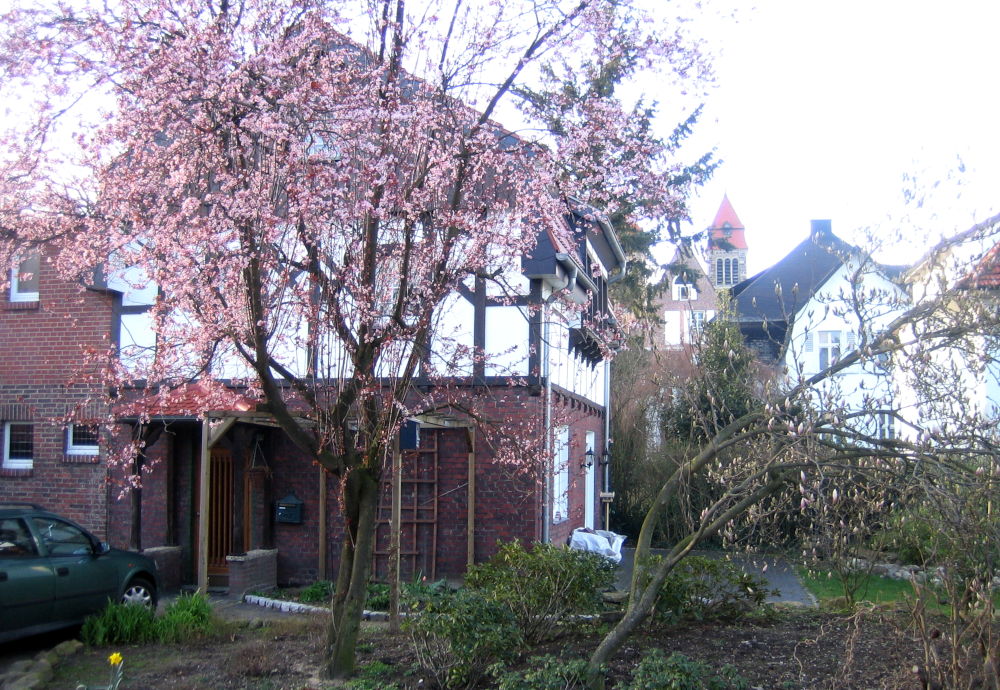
{"x":581,"y":417}
{"x":42,"y":379}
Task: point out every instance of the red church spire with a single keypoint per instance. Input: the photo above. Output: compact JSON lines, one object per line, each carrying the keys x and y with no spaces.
{"x":726,"y":231}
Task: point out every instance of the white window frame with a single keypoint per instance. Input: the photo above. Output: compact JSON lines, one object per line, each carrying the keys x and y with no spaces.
{"x":684,"y":291}
{"x":829,"y":346}
{"x":696,"y":323}
{"x":16,"y":293}
{"x":560,"y":476}
{"x":886,"y":425}
{"x":10,"y":463}
{"x":79,"y":448}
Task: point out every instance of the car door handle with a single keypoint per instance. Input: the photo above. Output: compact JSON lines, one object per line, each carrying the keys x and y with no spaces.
{"x":62,"y":571}
{"x":3,"y":576}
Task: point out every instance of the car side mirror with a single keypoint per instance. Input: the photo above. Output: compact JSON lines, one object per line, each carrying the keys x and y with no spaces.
{"x":101,"y":548}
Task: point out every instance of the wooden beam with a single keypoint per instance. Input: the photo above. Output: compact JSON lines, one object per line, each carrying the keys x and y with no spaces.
{"x":215,"y":435}
{"x":395,"y":529}
{"x":321,"y":571}
{"x":203,"y":507}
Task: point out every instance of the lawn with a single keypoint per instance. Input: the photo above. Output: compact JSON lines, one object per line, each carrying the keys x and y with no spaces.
{"x":826,"y":587}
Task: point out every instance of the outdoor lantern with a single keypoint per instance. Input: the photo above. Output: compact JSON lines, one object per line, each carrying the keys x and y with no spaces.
{"x":606,"y":457}
{"x":588,"y":459}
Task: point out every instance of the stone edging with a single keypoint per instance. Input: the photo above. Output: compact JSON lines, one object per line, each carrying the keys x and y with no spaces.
{"x":34,"y":673}
{"x":295,"y":607}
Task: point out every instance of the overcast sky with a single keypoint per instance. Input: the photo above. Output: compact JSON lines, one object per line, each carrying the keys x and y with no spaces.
{"x":823,"y":107}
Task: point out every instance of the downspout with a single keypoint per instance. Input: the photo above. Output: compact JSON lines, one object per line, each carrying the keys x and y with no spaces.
{"x":607,"y":443}
{"x":547,"y":372}
{"x":618,"y":275}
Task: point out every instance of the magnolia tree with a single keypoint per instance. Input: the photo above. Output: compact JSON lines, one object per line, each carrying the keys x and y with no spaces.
{"x":306,"y":185}
{"x":810,"y":450}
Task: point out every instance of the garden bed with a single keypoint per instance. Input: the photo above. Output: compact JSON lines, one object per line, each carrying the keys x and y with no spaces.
{"x":792,"y":649}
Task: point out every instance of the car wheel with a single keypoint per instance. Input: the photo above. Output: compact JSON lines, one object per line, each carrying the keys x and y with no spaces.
{"x":140,"y":591}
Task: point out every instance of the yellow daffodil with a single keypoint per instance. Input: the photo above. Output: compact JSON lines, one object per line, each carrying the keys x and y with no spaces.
{"x":115,"y":659}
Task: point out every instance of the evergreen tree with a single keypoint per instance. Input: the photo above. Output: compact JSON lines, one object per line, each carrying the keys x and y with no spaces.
{"x":644,"y":208}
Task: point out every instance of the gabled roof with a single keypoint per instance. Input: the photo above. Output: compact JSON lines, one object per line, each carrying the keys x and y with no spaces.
{"x":686,"y":264}
{"x":777,"y":293}
{"x":986,"y":274}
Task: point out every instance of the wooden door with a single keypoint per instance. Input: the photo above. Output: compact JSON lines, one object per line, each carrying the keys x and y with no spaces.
{"x":220,"y":515}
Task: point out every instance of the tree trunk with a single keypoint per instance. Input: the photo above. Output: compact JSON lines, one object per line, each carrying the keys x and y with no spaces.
{"x":360,"y":503}
{"x":646,"y":586}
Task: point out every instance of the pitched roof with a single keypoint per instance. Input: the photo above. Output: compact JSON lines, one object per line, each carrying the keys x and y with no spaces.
{"x":727,"y":214}
{"x":727,"y":228}
{"x":777,"y":293}
{"x":986,"y":274}
{"x":188,"y":400}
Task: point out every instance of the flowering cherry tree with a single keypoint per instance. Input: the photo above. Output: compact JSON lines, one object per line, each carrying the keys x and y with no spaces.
{"x":306,"y":185}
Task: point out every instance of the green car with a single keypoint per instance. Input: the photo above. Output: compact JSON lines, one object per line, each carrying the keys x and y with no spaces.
{"x":54,"y":573}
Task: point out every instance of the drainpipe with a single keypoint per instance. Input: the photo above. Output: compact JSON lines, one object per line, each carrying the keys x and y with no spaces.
{"x":568,"y":284}
{"x":607,"y":442}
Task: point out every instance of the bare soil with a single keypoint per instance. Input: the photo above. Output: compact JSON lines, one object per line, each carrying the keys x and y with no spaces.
{"x":791,"y":649}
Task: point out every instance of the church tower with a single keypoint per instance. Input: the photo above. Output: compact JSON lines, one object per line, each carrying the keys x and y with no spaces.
{"x":727,"y":248}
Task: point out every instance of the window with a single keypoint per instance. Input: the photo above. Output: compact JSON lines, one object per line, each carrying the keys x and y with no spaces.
{"x":684,"y":291}
{"x":886,"y":425}
{"x":82,"y":439}
{"x":696,"y":323}
{"x":727,"y":271}
{"x":15,"y":539}
{"x":18,"y":446}
{"x":560,"y":476}
{"x":61,"y":538}
{"x":24,"y":279}
{"x":829,"y":348}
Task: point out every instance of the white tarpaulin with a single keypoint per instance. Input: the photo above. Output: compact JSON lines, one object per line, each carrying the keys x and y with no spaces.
{"x":607,"y":544}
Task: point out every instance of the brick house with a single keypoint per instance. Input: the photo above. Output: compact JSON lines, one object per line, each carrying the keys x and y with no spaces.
{"x":226,"y":498}
{"x":46,"y":326}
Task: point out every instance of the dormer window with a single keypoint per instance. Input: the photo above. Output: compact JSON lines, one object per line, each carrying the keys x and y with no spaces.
{"x":683,"y":291}
{"x":24,"y":279}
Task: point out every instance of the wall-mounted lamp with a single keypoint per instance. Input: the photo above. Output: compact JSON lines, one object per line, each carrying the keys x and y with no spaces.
{"x":606,"y":458}
{"x":588,"y":458}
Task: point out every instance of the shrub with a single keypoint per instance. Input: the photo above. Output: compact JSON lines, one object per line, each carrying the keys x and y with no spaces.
{"x":190,"y":615}
{"x":678,"y":672}
{"x":916,"y":537}
{"x":120,"y":624}
{"x":546,"y":673}
{"x":542,"y":586}
{"x":319,"y":592}
{"x":708,"y":588}
{"x":378,"y":597}
{"x":457,"y":636}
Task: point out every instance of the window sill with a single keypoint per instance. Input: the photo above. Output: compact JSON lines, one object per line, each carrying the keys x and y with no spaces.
{"x":22,"y":306}
{"x":81,"y":458}
{"x":17,"y":472}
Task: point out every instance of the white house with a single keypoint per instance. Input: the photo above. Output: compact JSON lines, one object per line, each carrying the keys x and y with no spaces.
{"x":824,"y":299}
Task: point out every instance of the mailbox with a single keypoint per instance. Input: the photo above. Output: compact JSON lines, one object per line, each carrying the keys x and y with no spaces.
{"x":289,"y":510}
